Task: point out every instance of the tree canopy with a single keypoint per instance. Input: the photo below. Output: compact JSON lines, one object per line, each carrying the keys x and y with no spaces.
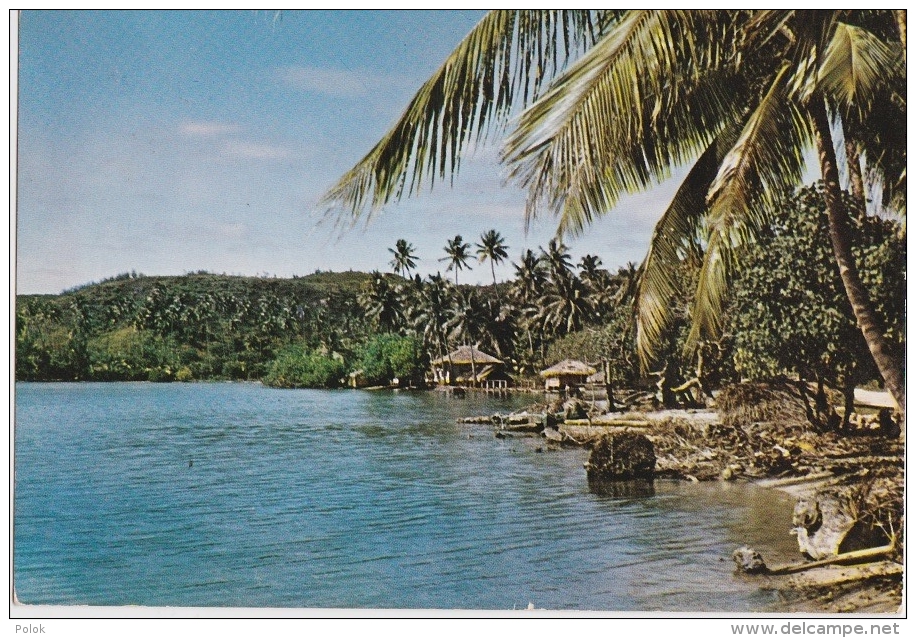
{"x":613,"y":101}
{"x":790,"y":313}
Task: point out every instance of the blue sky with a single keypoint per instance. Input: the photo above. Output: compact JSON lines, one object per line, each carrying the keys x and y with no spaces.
{"x":167,"y":143}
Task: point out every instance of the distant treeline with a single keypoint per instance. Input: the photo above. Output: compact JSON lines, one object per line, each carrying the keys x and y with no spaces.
{"x":315,"y":330}
{"x":787,"y":315}
{"x":198,"y":326}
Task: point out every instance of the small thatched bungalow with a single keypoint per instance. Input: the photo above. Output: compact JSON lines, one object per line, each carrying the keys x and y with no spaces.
{"x":567,"y":373}
{"x":357,"y":379}
{"x":461,"y":366}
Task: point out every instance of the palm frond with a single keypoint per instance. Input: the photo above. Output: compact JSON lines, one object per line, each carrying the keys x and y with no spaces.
{"x":765,"y":25}
{"x":651,"y":94}
{"x":880,"y":135}
{"x":865,"y":80}
{"x":766,"y":161}
{"x":657,"y":283}
{"x":855,"y":65}
{"x":505,"y":60}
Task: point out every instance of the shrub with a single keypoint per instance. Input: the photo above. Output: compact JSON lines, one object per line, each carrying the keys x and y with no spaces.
{"x":128,"y":354}
{"x":790,"y":312}
{"x":298,"y":367}
{"x":390,"y":356}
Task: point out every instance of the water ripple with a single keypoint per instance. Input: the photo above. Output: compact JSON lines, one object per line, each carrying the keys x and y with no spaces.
{"x":234,"y":494}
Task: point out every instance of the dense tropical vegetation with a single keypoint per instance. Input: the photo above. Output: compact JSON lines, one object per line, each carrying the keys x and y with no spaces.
{"x":748,"y":275}
{"x":614,"y":101}
{"x":786,"y":315}
{"x":314,"y":330}
{"x":199,"y":326}
{"x":791,"y":315}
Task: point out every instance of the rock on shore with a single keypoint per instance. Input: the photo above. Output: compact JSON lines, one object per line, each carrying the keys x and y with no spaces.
{"x":621,"y":456}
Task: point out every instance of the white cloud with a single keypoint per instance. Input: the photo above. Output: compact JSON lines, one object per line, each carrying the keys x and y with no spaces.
{"x":221,"y":136}
{"x":253,"y":150}
{"x":208,"y":129}
{"x":337,"y":82}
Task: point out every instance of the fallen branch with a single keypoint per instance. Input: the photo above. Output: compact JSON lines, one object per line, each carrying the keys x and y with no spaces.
{"x":858,"y":555}
{"x":693,"y":383}
{"x":610,"y":422}
{"x":569,"y":437}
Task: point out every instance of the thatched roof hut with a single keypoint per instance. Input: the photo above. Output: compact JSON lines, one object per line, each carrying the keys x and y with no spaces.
{"x":467,"y":364}
{"x":567,"y":373}
{"x":569,"y":367}
{"x":463,"y":357}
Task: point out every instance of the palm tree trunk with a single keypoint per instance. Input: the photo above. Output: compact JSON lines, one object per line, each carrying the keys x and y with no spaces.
{"x":473,"y":369}
{"x":439,"y":379}
{"x":451,"y":366}
{"x":493,"y":272}
{"x":530,"y":342}
{"x":856,"y":182}
{"x":849,"y":399}
{"x":890,"y":368}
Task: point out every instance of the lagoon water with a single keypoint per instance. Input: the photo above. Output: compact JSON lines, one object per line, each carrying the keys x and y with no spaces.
{"x":229,"y":494}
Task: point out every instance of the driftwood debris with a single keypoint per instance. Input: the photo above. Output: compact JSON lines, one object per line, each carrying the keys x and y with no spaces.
{"x":519,"y":421}
{"x":607,"y":421}
{"x":822,"y":526}
{"x":857,"y":556}
{"x":750,"y":561}
{"x":475,"y":420}
{"x":839,"y":519}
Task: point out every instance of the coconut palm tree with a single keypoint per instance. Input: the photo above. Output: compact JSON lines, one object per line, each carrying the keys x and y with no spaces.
{"x":529,"y":277}
{"x":382,"y":303}
{"x":526,"y":292}
{"x":433,"y":316}
{"x":557,"y":260}
{"x":566,"y":306}
{"x":626,"y":281}
{"x":795,"y":69}
{"x":565,"y":302}
{"x":616,"y":100}
{"x":458,"y":256}
{"x":409,"y":293}
{"x":492,"y":246}
{"x":404,"y":258}
{"x":599,"y":283}
{"x":590,"y":267}
{"x":468,"y":321}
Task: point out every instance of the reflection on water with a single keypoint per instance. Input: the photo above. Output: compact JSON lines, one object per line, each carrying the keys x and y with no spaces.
{"x":636,"y":488}
{"x":352,"y":499}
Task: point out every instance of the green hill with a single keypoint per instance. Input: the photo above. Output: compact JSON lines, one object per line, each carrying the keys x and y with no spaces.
{"x":200,"y":325}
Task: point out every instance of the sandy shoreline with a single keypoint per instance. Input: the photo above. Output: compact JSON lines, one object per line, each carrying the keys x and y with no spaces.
{"x":689,"y":445}
{"x":872,"y":588}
